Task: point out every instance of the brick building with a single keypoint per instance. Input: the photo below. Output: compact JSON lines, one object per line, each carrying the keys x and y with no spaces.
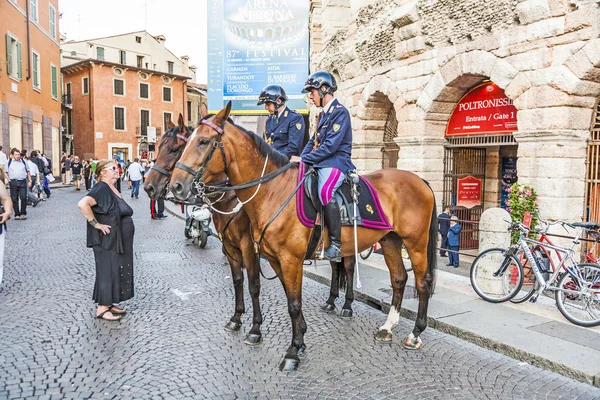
{"x":30,"y":105}
{"x":404,"y":66}
{"x":122,"y":90}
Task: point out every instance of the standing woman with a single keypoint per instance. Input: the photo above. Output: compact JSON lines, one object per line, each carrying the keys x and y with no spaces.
{"x":118,"y":183}
{"x":87,"y":174}
{"x":5,"y":210}
{"x":110,"y":233}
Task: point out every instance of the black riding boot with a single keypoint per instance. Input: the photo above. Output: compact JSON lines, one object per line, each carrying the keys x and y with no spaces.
{"x":333,"y":220}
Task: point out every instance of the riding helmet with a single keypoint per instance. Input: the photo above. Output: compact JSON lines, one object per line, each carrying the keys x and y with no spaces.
{"x":270,"y":94}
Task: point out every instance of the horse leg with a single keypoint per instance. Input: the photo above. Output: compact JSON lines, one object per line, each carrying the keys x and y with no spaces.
{"x":391,"y":245}
{"x":234,"y":256}
{"x":254,"y":337}
{"x":424,"y":286}
{"x":334,"y":290}
{"x":346,"y":280}
{"x":291,"y":278}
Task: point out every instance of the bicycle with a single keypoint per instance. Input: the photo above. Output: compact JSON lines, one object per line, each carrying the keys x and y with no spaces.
{"x":577,"y":289}
{"x":529,"y":278}
{"x":406,"y":259}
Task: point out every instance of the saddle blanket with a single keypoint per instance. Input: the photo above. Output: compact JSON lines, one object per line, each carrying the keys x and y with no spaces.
{"x":369,"y":208}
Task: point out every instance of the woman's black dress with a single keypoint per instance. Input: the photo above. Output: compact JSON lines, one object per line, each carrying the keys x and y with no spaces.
{"x":114,"y":271}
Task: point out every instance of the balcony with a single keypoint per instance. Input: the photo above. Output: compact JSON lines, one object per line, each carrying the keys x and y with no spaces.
{"x":142,"y":132}
{"x":66,"y":101}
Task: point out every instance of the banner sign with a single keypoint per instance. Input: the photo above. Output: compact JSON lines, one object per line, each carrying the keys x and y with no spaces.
{"x":509,"y":176}
{"x":484,"y":110}
{"x":252,"y":44}
{"x":469,"y":192}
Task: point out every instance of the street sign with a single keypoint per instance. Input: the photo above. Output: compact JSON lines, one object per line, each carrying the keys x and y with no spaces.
{"x":469,"y":192}
{"x":252,"y":44}
{"x":484,"y":110}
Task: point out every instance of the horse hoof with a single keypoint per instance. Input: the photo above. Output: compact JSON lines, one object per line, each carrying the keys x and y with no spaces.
{"x":233,"y":326}
{"x":412,"y":342}
{"x":383,"y":336}
{"x":328,"y":308}
{"x":289,"y":364}
{"x":346,"y":313}
{"x":301,"y":350}
{"x":253,"y":339}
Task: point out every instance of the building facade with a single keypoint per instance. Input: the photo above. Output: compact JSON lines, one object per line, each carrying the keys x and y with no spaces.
{"x":122,"y":95}
{"x":197,"y":95}
{"x":404,"y":66}
{"x":30,"y":102}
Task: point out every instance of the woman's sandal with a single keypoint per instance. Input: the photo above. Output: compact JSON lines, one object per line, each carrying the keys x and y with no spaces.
{"x":117,"y":310}
{"x":106,"y":318}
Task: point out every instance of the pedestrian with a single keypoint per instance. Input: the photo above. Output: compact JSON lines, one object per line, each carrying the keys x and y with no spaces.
{"x":284,"y":128}
{"x":453,"y":242}
{"x":33,"y":198}
{"x":68,"y":171}
{"x":329,"y":152}
{"x":93,"y":169}
{"x":76,"y":172}
{"x":3,"y":159}
{"x":48,"y":177}
{"x":87,"y":174}
{"x":110,"y":232}
{"x":136,"y":172}
{"x":118,"y":184}
{"x":444,"y":223}
{"x":19,"y":179}
{"x":5,"y":210}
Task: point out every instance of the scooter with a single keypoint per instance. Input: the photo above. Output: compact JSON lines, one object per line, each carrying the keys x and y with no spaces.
{"x":197,"y":224}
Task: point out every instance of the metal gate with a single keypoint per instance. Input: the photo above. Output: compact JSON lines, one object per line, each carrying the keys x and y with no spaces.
{"x":459,"y":163}
{"x":592,"y":175}
{"x":390,"y":148}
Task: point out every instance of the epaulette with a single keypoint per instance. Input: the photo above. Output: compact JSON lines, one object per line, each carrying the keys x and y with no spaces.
{"x":285,"y":114}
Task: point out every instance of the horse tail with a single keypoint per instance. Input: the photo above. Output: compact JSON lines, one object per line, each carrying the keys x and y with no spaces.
{"x":432,"y":244}
{"x":342,"y":277}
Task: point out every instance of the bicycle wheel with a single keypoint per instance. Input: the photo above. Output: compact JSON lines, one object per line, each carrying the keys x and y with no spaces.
{"x":530,"y":283}
{"x":366,"y":253}
{"x":578,"y":298}
{"x":496,"y":276}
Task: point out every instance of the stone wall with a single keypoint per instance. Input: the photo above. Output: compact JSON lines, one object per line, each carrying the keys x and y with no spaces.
{"x":423,"y":56}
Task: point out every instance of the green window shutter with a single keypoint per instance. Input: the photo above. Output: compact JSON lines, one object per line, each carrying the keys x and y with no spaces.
{"x":19,"y":61}
{"x":54,"y":82}
{"x":8,"y":54}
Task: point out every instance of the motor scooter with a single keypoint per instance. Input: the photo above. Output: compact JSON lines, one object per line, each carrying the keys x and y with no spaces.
{"x":197,"y":224}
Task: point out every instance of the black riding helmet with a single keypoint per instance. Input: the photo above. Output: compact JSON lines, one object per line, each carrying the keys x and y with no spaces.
{"x":318,"y":79}
{"x":270,"y":94}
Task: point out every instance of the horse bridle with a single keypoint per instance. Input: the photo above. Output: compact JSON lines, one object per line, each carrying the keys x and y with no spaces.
{"x":163,"y":171}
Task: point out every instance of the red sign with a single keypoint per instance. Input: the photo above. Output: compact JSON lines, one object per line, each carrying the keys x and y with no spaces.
{"x":469,"y":192}
{"x":527,"y":219}
{"x":484,"y":110}
{"x":144,"y":154}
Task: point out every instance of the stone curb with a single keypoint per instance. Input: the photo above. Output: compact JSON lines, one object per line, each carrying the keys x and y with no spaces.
{"x":487,"y":343}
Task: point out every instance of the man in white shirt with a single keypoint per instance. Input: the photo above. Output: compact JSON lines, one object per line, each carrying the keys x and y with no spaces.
{"x":19,"y":179}
{"x":136,"y":172}
{"x":3,"y":159}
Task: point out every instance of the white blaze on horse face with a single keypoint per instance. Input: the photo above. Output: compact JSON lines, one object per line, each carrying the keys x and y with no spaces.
{"x":392,"y":320}
{"x":191,"y":138}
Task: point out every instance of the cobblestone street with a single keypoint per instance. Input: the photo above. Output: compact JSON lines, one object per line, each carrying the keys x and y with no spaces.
{"x":172,"y":343}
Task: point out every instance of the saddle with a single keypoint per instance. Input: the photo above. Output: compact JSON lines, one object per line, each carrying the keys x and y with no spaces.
{"x":308,"y":205}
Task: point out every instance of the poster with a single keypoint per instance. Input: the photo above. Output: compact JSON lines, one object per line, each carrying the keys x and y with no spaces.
{"x":469,"y":192}
{"x":509,"y":176}
{"x":484,"y":110}
{"x":252,"y":44}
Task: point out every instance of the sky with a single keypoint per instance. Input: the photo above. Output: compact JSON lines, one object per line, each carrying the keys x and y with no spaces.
{"x":182,"y":22}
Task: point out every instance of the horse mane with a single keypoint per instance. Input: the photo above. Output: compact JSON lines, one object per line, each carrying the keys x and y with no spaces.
{"x":265,"y":149}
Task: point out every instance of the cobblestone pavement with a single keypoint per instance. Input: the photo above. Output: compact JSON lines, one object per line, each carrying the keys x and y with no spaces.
{"x":172,"y":343}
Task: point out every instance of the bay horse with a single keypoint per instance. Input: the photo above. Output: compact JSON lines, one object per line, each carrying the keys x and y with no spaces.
{"x":234,"y":228}
{"x":407,"y":201}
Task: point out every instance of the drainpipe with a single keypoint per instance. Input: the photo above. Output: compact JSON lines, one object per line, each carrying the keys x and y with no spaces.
{"x":28,"y":41}
{"x":183,"y":92}
{"x":90,"y":90}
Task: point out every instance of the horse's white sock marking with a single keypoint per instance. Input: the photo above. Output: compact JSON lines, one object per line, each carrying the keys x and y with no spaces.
{"x":392,"y":320}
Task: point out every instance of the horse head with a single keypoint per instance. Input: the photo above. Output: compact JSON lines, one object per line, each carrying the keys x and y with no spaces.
{"x":197,"y":161}
{"x":170,"y":148}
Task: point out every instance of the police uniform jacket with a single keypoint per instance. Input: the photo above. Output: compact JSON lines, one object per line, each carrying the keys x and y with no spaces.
{"x":331,"y":146}
{"x":286,"y":134}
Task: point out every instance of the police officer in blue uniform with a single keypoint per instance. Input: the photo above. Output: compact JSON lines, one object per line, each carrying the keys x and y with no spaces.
{"x":284,"y":128}
{"x":329,"y":152}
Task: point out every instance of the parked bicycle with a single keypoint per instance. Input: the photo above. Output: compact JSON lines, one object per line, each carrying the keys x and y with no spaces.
{"x":497,"y":275}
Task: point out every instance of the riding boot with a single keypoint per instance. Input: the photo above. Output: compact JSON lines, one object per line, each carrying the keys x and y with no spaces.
{"x":333,"y":220}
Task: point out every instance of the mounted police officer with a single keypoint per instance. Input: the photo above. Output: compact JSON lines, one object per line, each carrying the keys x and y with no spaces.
{"x":329,"y":152}
{"x":284,"y":128}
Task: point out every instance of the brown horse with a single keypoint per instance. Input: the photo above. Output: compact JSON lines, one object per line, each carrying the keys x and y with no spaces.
{"x":235,"y":229}
{"x":406,"y":199}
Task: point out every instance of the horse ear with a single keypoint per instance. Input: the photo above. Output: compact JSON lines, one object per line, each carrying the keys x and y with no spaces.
{"x":180,"y":124}
{"x":223,"y":114}
{"x":203,"y":110}
{"x":170,"y":124}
